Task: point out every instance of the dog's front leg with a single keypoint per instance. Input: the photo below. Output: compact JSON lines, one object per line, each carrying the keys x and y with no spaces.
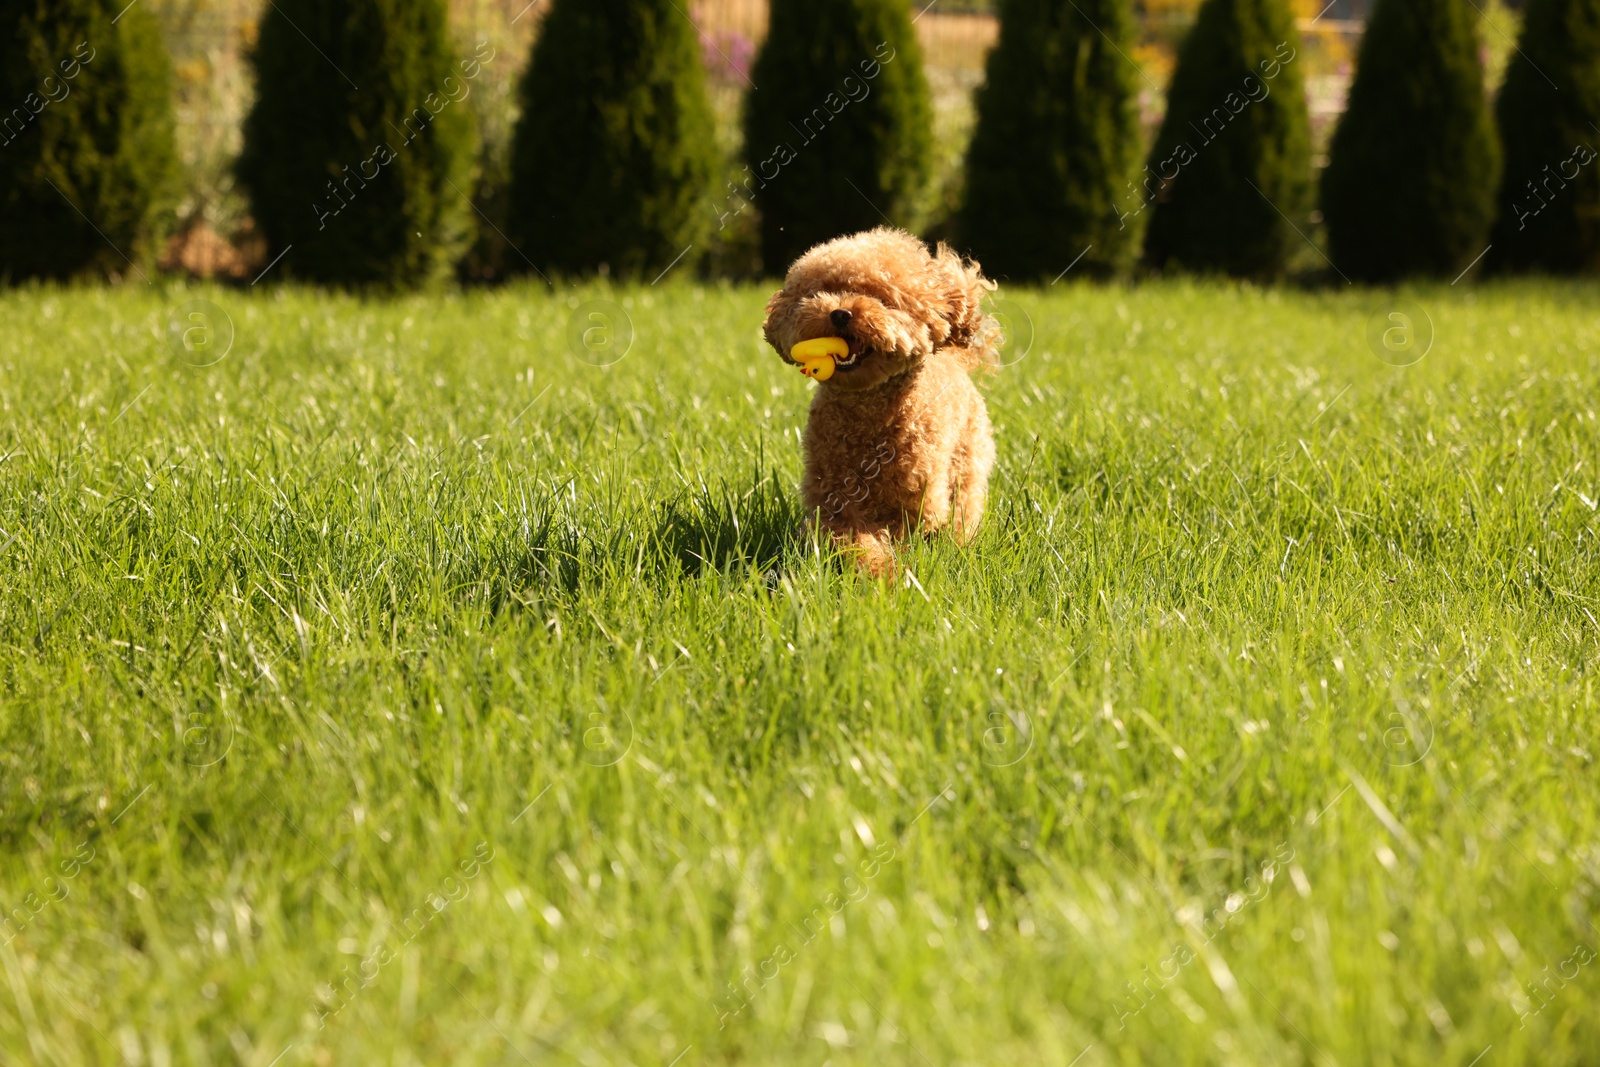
{"x":869,"y":547}
{"x":870,"y":550}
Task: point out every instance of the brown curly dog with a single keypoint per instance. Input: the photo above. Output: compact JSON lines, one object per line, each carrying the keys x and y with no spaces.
{"x":898,"y":438}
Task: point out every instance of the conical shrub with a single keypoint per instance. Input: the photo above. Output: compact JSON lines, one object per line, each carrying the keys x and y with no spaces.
{"x":1049,"y":173}
{"x":359,"y":152}
{"x":1415,"y":163}
{"x":88,"y":168}
{"x":838,"y":132}
{"x":1230,"y":174}
{"x":614,"y":154}
{"x":1549,"y":203}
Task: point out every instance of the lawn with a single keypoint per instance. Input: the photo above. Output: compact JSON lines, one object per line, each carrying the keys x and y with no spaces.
{"x":400,"y":687}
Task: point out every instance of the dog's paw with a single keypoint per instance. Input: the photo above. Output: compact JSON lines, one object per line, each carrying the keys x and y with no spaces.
{"x":872,"y":552}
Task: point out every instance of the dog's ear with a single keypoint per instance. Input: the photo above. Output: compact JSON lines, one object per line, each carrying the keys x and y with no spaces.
{"x":960,"y":287}
{"x":773,"y":323}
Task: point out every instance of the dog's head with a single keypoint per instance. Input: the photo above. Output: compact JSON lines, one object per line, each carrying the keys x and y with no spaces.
{"x":886,"y":296}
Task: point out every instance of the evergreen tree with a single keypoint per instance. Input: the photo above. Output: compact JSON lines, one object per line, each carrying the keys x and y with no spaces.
{"x":839,"y":131}
{"x":1415,"y":162}
{"x":614,"y":154}
{"x":88,"y":167}
{"x":1051,"y":166}
{"x":1232,"y":165}
{"x":359,"y":151}
{"x":1549,"y":203}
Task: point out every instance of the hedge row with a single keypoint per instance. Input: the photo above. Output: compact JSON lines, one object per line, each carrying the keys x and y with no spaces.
{"x":88,"y":170}
{"x":360,"y":157}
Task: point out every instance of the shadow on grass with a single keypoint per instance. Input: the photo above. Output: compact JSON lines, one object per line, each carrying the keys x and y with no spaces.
{"x":550,"y":552}
{"x":715,"y":527}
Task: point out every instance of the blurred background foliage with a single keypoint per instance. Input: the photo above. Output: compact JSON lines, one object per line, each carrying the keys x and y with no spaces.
{"x":209,"y":42}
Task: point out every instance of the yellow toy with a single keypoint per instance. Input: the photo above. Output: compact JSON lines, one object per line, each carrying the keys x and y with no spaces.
{"x":818,"y":356}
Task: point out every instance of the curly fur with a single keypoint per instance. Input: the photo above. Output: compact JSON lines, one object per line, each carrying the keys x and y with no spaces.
{"x":898,"y":441}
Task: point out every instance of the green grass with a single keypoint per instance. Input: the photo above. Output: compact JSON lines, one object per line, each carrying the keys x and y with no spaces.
{"x":1257,"y":622}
